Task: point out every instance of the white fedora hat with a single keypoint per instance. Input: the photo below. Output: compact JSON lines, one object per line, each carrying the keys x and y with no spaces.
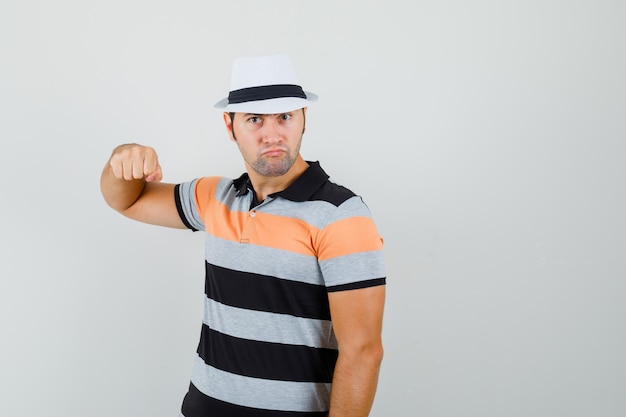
{"x":264,"y":85}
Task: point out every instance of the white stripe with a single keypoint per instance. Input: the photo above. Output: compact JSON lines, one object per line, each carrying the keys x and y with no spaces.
{"x":260,"y":393}
{"x":268,"y":327}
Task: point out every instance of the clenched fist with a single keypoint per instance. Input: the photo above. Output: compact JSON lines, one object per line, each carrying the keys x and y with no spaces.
{"x":134,"y":162}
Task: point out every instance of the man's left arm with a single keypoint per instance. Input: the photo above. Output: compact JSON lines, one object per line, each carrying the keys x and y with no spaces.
{"x":357,"y":317}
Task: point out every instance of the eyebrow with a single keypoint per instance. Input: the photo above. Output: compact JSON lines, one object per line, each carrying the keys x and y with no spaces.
{"x":266,"y":114}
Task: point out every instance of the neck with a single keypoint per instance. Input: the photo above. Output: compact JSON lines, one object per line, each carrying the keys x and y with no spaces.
{"x":264,"y":186}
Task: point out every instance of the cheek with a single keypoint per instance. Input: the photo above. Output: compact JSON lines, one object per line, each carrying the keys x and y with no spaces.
{"x":247,"y":147}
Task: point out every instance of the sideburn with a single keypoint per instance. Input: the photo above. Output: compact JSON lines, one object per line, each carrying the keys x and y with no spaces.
{"x":232,"y":124}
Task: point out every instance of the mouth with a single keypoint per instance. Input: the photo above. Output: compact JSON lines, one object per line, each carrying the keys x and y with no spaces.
{"x":274,"y":152}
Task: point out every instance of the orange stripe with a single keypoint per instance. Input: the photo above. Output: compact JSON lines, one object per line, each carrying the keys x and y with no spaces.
{"x":263,"y":229}
{"x":229,"y":225}
{"x":357,"y":234}
{"x":284,"y":233}
{"x":208,"y":203}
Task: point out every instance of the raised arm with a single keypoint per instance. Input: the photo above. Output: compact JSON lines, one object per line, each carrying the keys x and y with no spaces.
{"x":357,"y":320}
{"x":130,"y":184}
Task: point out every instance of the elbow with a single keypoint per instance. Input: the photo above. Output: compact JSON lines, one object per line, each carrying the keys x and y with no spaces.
{"x":372,"y":358}
{"x":377,"y":354}
{"x":370,"y":354}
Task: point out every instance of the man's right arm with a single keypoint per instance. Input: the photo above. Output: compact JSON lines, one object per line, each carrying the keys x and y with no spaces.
{"x":130,"y":184}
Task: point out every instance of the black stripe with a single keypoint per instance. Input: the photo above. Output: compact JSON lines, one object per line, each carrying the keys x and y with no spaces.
{"x":358,"y":285}
{"x":266,"y":360}
{"x":266,"y":293}
{"x":265,"y":92}
{"x":179,"y":207}
{"x":196,"y":404}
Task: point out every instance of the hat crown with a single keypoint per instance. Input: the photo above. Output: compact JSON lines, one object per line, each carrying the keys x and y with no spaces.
{"x":260,"y":71}
{"x":265,"y":85}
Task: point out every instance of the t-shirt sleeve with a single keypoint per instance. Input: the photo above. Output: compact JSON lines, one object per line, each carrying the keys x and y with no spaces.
{"x":350,"y":249}
{"x":187,"y":205}
{"x":193,"y":199}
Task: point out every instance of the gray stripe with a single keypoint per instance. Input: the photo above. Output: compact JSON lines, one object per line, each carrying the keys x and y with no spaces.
{"x":188,"y":203}
{"x":226,"y":194}
{"x":260,"y":393}
{"x":353,"y":207}
{"x":268,"y":327}
{"x":314,"y":213}
{"x":263,"y":260}
{"x":356,"y":267}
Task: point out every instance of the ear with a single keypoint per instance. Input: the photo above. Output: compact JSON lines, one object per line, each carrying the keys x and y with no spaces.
{"x":229,"y":126}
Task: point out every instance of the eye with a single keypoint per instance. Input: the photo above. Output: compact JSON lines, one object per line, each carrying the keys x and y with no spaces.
{"x":254,"y":119}
{"x":285,"y":116}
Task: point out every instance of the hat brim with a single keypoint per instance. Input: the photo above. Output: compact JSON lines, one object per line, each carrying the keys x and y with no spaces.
{"x":270,"y":106}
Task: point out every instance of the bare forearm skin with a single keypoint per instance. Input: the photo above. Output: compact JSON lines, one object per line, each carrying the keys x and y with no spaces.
{"x":354,"y":383}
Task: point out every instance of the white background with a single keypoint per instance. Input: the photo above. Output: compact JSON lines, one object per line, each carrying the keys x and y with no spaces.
{"x":487,"y":137}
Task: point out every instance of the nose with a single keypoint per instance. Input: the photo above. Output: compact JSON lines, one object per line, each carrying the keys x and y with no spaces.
{"x":271,"y":132}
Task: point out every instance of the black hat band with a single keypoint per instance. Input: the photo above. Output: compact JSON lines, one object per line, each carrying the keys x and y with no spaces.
{"x":265,"y":92}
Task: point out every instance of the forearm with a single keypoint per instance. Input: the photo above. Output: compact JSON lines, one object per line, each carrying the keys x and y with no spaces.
{"x":354,"y":383}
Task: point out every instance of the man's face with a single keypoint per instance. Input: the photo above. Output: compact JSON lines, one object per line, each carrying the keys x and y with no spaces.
{"x":269,"y":143}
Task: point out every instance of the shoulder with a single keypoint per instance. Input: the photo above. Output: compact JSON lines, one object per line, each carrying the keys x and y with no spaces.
{"x":206,"y":185}
{"x":214,"y":184}
{"x":205,"y":189}
{"x":333,"y":193}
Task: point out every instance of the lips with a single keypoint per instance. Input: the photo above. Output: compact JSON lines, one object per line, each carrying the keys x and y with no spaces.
{"x":274,"y":152}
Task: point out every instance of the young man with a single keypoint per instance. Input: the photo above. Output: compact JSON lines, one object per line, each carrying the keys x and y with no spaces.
{"x":294,"y":265}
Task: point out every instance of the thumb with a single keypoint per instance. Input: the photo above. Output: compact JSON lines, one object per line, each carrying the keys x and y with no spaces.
{"x":156,"y":175}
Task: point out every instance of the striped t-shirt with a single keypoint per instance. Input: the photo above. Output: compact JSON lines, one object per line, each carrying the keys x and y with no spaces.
{"x":267,"y":346}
